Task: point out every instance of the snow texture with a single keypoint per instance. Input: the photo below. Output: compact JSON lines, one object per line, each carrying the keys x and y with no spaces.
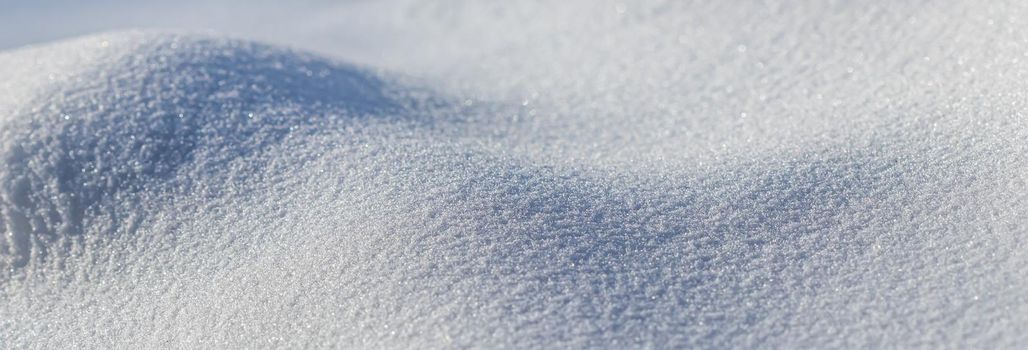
{"x":582,"y":174}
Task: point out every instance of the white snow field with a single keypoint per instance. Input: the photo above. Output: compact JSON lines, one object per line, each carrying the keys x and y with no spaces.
{"x":522,"y":174}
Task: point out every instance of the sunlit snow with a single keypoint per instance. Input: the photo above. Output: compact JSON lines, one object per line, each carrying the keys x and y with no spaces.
{"x":522,"y":174}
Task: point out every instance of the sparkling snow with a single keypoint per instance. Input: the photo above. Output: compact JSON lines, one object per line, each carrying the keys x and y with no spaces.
{"x":469,"y":174}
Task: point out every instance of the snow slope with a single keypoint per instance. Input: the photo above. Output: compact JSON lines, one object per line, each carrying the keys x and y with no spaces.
{"x":826,"y":176}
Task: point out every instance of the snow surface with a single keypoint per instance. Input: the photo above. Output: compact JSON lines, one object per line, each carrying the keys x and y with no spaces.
{"x":582,"y":174}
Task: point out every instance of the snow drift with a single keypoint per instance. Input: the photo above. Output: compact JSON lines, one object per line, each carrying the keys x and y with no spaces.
{"x":178,"y":190}
{"x":154,"y":106}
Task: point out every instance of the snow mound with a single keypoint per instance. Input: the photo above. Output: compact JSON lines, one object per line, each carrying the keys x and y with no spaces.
{"x":170,"y":190}
{"x":159,"y":112}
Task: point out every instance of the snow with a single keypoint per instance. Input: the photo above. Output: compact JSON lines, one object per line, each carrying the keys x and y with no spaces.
{"x":519,"y":175}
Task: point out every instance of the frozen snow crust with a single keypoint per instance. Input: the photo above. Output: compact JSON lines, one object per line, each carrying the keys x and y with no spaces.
{"x":166,"y":190}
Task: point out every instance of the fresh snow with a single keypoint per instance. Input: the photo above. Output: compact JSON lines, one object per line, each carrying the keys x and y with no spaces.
{"x":462,"y":174}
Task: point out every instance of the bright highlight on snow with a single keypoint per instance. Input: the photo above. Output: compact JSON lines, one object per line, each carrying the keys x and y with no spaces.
{"x":455,"y":174}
